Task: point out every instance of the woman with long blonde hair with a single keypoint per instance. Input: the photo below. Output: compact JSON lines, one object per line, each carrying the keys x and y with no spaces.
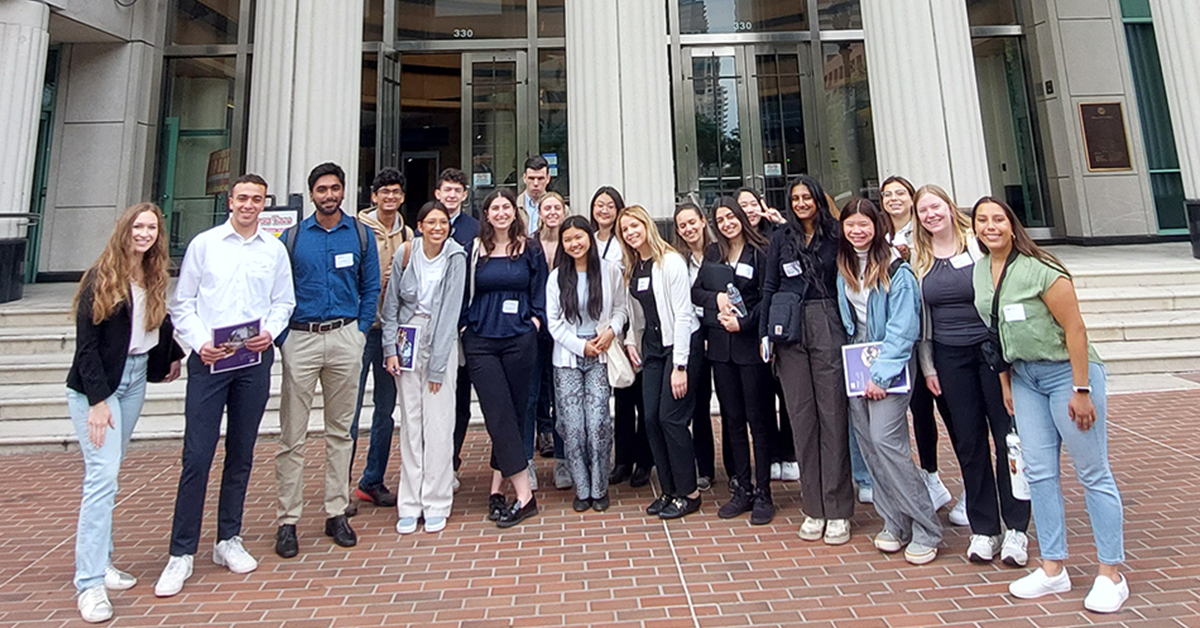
{"x":538,"y":430}
{"x":123,"y":339}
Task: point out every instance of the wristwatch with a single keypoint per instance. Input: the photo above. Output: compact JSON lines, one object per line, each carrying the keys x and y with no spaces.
{"x":1083,"y":389}
{"x":681,"y":367}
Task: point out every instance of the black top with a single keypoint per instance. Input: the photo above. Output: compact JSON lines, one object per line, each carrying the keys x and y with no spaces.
{"x":509,"y":293}
{"x":641,"y":286}
{"x":792,"y":266}
{"x":747,"y":276}
{"x":950,"y":296}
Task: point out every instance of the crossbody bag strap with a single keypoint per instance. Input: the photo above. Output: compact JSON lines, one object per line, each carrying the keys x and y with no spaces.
{"x":999,"y":283}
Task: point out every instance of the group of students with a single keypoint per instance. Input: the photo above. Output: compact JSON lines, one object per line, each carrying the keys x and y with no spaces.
{"x":760,"y":302}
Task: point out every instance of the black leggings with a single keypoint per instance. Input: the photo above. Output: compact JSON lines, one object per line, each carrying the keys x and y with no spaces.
{"x":746,"y":395}
{"x":500,"y":371}
{"x":924,"y":427}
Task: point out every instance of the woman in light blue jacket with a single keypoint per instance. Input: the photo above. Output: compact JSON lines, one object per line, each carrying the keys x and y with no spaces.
{"x":879,"y":303}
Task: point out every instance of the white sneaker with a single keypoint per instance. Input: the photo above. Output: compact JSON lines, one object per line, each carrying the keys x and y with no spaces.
{"x":1037,"y":584}
{"x":958,"y":514}
{"x":837,"y":531}
{"x":983,"y":548}
{"x":918,"y":554}
{"x":94,"y":606}
{"x":230,"y":553}
{"x":117,"y":580}
{"x":435,"y":524}
{"x":531,"y":469}
{"x":812,"y":529}
{"x":866,"y":494}
{"x":1106,"y":596}
{"x":938,"y":493}
{"x":1015,"y":552}
{"x":887,"y":542}
{"x":455,"y":485}
{"x":776,"y":471}
{"x":177,"y":571}
{"x":789,"y":471}
{"x":406,"y":525}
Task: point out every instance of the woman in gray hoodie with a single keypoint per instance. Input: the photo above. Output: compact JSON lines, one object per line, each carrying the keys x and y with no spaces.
{"x":420,"y":341}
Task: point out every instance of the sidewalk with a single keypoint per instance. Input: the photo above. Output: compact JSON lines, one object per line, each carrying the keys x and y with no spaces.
{"x":618,"y":568}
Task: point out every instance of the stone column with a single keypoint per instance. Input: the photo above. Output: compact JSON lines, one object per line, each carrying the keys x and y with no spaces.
{"x":306,"y":93}
{"x":620,"y":93}
{"x":24,"y":43}
{"x":924,"y":97}
{"x":1175,"y":24}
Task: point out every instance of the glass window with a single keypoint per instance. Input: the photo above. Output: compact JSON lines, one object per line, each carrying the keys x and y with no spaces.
{"x":839,"y":14}
{"x":782,"y":121}
{"x":552,"y":117}
{"x":552,"y":18}
{"x":1158,"y":133}
{"x":460,"y":19}
{"x":991,"y":12}
{"x":372,"y":20}
{"x":849,"y":135}
{"x":718,"y":125}
{"x":368,"y":124}
{"x":430,"y":123}
{"x":735,"y":16}
{"x":206,"y":22}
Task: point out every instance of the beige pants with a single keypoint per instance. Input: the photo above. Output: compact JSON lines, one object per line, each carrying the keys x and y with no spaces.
{"x":334,"y":358}
{"x":426,"y":436}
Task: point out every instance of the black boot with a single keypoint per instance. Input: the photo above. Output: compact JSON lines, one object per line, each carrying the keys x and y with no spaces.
{"x":741,"y":501}
{"x":763,"y":510}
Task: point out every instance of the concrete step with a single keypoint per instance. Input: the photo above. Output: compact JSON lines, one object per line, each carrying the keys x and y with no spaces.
{"x":51,"y":316}
{"x":37,"y":340}
{"x":1139,"y":299}
{"x":1172,"y":275}
{"x":1154,"y":325}
{"x":1150,"y":356}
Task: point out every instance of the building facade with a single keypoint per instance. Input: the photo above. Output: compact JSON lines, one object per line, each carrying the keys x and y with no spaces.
{"x":1080,"y":113}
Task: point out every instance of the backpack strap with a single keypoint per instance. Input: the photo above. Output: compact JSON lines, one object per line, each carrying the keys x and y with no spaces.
{"x":406,"y":255}
{"x":894,"y":266}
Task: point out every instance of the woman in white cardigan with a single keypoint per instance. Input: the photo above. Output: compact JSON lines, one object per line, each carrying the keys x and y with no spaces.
{"x":585,"y":309}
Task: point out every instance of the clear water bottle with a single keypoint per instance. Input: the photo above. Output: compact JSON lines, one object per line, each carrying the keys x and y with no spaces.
{"x":1016,"y":467}
{"x":735,"y":300}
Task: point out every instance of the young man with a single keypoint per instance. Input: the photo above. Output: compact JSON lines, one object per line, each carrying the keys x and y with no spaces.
{"x":336,"y":270}
{"x":385,"y":220}
{"x":537,"y":180}
{"x":232,"y":274}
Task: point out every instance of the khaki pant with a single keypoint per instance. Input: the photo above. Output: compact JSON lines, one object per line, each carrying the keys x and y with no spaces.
{"x":426,"y":435}
{"x":334,"y":358}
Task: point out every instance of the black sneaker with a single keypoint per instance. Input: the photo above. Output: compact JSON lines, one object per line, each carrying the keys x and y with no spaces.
{"x":286,"y":544}
{"x":339,"y":528}
{"x":380,"y":496}
{"x":517,"y":513}
{"x":657,"y":505}
{"x":640,"y":477}
{"x":741,"y":502}
{"x":763,"y":510}
{"x":497,"y":504}
{"x":680,"y":507}
{"x":600,"y":504}
{"x":581,"y":505}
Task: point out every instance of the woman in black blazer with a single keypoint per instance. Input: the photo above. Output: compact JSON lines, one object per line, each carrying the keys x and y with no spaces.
{"x":743,"y":381}
{"x":123,"y":338}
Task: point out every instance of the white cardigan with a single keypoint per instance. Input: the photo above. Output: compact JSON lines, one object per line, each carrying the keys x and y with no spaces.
{"x":673,"y":297}
{"x":567,"y":343}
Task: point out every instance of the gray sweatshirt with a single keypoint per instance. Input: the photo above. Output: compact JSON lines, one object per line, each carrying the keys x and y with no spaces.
{"x":400,"y":304}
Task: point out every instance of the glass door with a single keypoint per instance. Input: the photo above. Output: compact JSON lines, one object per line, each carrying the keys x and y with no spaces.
{"x":495,"y":133}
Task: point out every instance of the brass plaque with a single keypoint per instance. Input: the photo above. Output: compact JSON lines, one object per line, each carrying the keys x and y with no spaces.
{"x":1104,"y":138}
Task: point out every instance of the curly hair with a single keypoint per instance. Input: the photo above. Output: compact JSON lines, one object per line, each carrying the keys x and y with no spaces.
{"x":107,"y":281}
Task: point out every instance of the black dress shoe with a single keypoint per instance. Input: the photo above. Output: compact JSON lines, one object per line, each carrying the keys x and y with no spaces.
{"x":640,"y":477}
{"x":657,"y":505}
{"x":620,"y":473}
{"x":380,"y":496}
{"x":545,"y":445}
{"x":516,"y":513}
{"x":286,"y":544}
{"x":581,"y":505}
{"x":600,"y":504}
{"x":680,"y":507}
{"x":339,"y":528}
{"x":497,"y":504}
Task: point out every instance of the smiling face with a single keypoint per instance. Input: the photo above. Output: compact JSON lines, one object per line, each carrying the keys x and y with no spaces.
{"x":728,"y":223}
{"x":804,"y":205}
{"x":246,"y":202}
{"x":500,"y":214}
{"x":897,"y":202}
{"x":935,"y":214}
{"x":749,"y":204}
{"x":552,"y":212}
{"x":576,"y":243}
{"x":388,"y":198}
{"x":859,"y":230}
{"x":689,"y":224}
{"x":604,"y":211}
{"x":327,"y":194}
{"x":633,"y":232}
{"x":992,"y":227}
{"x":450,"y":194}
{"x":144,"y":232}
{"x":436,"y":227}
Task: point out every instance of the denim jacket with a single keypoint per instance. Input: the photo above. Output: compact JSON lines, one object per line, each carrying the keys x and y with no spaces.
{"x":893,"y":318}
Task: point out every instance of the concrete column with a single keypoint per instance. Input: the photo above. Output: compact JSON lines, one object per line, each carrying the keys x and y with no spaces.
{"x":24,"y":41}
{"x":924,"y":96}
{"x":1175,"y":24}
{"x":620,"y":93}
{"x":306,"y":93}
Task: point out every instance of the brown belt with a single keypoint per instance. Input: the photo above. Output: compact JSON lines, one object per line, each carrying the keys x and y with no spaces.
{"x":322,"y":327}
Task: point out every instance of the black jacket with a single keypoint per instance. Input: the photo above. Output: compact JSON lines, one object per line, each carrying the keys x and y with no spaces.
{"x":715,"y":275}
{"x":100,"y":351}
{"x":817,"y":261}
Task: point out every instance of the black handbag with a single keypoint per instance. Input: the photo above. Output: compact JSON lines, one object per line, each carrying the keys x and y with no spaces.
{"x":993,"y":351}
{"x":785,"y":319}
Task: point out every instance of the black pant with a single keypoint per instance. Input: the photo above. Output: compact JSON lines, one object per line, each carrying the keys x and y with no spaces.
{"x":462,"y":412}
{"x":244,"y":392}
{"x":630,"y":444}
{"x":500,"y":370}
{"x":976,"y":403}
{"x":702,"y":429}
{"x":925,"y":431}
{"x":667,"y":425}
{"x":783,"y":448}
{"x":746,"y":395}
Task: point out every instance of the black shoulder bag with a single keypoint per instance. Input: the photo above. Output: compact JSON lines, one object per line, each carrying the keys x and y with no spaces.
{"x":993,"y":352}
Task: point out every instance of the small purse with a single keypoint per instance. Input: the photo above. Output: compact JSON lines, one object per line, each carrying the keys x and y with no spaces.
{"x":620,"y":370}
{"x":785,"y":319}
{"x":993,"y":351}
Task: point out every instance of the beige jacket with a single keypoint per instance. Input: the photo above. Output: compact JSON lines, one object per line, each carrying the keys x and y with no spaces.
{"x":388,"y":244}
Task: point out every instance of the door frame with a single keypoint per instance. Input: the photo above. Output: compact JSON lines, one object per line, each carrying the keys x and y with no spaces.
{"x":526,"y":133}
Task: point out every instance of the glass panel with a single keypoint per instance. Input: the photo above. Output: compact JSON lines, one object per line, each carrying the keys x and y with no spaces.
{"x":200,"y":108}
{"x":782,"y":120}
{"x":735,"y":16}
{"x":206,"y":22}
{"x":1158,"y":134}
{"x":460,"y":19}
{"x":991,"y":12}
{"x":430,"y":123}
{"x":494,"y":155}
{"x":1008,"y":128}
{"x":718,"y":126}
{"x":368,"y":124}
{"x":1135,"y":9}
{"x":850,"y":136}
{"x":839,"y":14}
{"x":552,"y":18}
{"x":552,"y":117}
{"x":1169,"y":202}
{"x":372,"y":20}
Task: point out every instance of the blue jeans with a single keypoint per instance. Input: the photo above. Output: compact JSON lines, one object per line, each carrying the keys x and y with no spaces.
{"x":101,"y":465}
{"x":382,"y":423}
{"x":858,"y":466}
{"x":1041,"y":391}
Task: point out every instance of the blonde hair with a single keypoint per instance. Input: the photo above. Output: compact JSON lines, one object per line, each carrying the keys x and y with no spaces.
{"x":658,"y":246}
{"x":561,"y":200}
{"x":108,"y":279}
{"x":923,"y":240}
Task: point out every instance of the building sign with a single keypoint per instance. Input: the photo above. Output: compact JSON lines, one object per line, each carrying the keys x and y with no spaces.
{"x":276,"y":221}
{"x":1104,"y":138}
{"x":217,"y":178}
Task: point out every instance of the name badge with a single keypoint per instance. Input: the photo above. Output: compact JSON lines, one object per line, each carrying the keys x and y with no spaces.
{"x":345,"y":260}
{"x":643,"y":284}
{"x":1014,"y":312}
{"x":510,"y":306}
{"x":744,"y":270}
{"x":699,"y":311}
{"x":962,"y":260}
{"x":792,"y":269}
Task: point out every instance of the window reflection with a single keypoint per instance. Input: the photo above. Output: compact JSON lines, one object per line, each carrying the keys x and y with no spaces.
{"x":839,"y":14}
{"x":991,"y":12}
{"x":850,"y":136}
{"x":460,"y":19}
{"x":206,"y":22}
{"x":735,"y":16}
{"x":552,"y":117}
{"x":552,"y":18}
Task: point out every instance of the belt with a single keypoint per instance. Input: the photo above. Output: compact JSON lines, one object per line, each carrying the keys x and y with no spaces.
{"x":322,"y":327}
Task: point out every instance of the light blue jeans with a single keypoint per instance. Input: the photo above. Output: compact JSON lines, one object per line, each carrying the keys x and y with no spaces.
{"x":93,"y":535}
{"x":1041,"y":391}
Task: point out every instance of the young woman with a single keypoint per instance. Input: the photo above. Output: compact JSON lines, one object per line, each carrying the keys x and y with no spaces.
{"x":123,"y":339}
{"x":800,"y":287}
{"x":944,"y":253}
{"x":585,"y":309}
{"x":692,"y":239}
{"x":880,"y":302}
{"x":896,"y":195}
{"x":428,"y":295}
{"x":1056,"y":391}
{"x":631,"y":446}
{"x":745,"y":389}
{"x":660,"y":340}
{"x":757,"y":209}
{"x":507,"y":296}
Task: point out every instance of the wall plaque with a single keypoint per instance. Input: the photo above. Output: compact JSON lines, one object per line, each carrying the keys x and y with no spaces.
{"x":1104,"y":138}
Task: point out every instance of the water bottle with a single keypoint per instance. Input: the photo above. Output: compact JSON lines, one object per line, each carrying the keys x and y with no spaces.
{"x":735,"y":300}
{"x":1016,"y":467}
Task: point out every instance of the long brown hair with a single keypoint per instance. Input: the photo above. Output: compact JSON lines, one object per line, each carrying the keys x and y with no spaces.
{"x":923,"y":240}
{"x":1021,"y":240}
{"x":108,"y":278}
{"x":879,"y":253}
{"x":516,"y":231}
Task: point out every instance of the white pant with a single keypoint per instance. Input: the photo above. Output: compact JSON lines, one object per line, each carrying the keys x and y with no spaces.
{"x":426,"y":436}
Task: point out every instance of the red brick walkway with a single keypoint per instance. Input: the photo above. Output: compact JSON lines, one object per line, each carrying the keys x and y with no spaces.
{"x":615,"y":568}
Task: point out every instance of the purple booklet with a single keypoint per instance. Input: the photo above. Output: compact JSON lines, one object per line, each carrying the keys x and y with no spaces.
{"x":406,"y":347}
{"x":233,"y":339}
{"x":856,"y":364}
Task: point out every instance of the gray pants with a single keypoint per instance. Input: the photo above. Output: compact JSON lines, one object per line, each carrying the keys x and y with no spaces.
{"x":583,"y":422}
{"x":900,"y":494}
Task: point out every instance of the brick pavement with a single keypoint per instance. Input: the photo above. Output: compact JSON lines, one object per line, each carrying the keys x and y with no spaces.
{"x":618,"y":568}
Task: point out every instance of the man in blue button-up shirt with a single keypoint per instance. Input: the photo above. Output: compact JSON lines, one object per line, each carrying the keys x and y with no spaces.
{"x":335,"y":266}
